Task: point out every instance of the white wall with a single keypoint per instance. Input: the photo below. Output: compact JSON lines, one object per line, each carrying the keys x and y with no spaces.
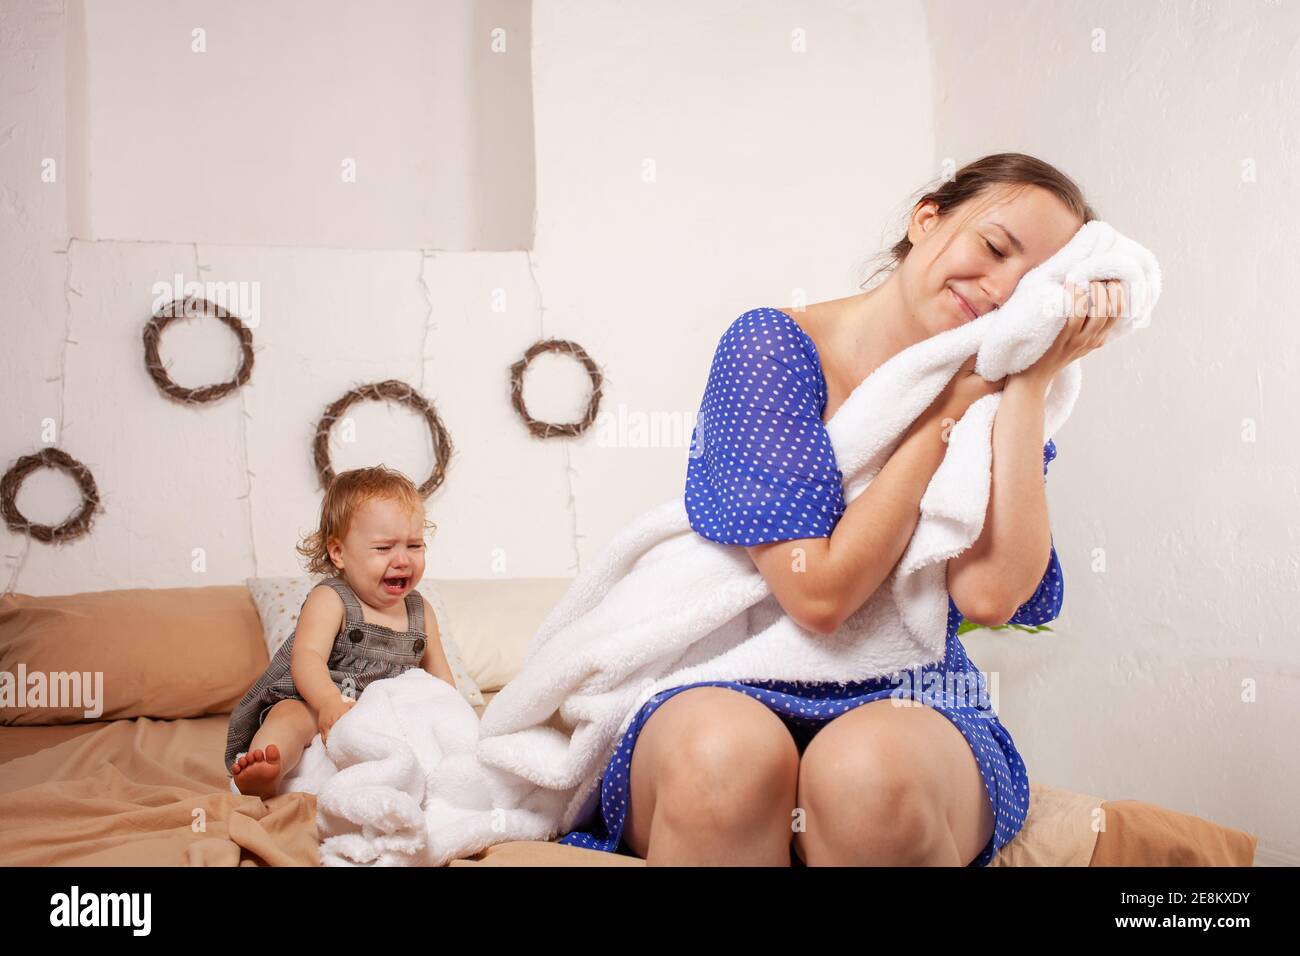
{"x":639,"y":256}
{"x":709,"y":171}
{"x":236,"y":123}
{"x":1172,"y":676}
{"x":690,"y":164}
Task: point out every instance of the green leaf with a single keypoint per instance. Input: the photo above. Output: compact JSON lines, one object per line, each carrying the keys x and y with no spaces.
{"x":967,"y":625}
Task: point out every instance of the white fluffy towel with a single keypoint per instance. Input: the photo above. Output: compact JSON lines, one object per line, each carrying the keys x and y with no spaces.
{"x":399,"y":783}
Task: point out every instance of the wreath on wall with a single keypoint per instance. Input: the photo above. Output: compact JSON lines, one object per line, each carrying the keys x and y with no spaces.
{"x":59,"y":460}
{"x":390,"y":390}
{"x":191,"y":307}
{"x":541,"y":429}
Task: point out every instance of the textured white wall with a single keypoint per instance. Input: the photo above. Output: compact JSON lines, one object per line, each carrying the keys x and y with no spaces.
{"x":640,"y":255}
{"x":235,"y":122}
{"x":692,"y":162}
{"x":1175,"y":525}
{"x":731,"y":155}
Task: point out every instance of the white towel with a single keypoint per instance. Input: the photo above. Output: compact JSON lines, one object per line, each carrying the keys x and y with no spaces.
{"x":661,"y":606}
{"x":399,"y":783}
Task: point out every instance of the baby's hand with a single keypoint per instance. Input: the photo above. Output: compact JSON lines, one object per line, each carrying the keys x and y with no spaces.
{"x":330,"y":713}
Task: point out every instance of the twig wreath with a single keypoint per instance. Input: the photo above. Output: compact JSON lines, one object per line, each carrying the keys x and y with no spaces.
{"x":188,"y":308}
{"x":540,"y":429}
{"x":60,"y":460}
{"x":390,"y":390}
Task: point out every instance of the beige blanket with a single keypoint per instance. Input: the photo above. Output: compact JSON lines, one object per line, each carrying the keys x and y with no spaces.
{"x":144,"y":793}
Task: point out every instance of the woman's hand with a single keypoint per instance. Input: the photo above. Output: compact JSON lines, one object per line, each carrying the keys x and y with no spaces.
{"x":330,"y":713}
{"x":1092,"y":315}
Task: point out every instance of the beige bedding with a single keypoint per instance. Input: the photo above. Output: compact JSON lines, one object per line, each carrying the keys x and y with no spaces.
{"x":143,"y":792}
{"x":153,"y":792}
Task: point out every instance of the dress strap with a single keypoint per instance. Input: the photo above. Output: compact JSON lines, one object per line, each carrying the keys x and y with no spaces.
{"x":351,"y":605}
{"x":415,"y":612}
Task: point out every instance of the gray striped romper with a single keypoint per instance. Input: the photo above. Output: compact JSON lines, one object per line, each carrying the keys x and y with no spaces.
{"x":362,"y":653}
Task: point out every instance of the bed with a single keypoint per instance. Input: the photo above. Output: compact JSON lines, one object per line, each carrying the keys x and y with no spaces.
{"x":141,"y":782}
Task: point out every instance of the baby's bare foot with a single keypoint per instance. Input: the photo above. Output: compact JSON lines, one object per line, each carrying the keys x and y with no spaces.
{"x":257,"y":774}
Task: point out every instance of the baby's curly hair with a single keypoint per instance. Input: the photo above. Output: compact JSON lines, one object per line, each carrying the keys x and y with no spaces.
{"x":342,"y":498}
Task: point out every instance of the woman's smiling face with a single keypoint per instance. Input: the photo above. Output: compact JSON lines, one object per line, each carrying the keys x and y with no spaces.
{"x":382,"y":552}
{"x":979,"y":252}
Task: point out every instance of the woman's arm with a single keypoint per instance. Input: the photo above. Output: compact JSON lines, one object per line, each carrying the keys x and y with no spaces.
{"x":819,"y":582}
{"x":1002,"y":569}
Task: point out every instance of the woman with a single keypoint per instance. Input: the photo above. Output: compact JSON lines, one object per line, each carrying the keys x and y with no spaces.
{"x":775,"y":772}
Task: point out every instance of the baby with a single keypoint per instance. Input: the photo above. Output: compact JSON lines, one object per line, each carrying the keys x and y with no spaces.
{"x":363,"y":623}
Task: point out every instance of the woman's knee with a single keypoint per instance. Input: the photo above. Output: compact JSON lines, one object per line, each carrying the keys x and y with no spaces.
{"x":872,"y":800}
{"x":736,"y":770}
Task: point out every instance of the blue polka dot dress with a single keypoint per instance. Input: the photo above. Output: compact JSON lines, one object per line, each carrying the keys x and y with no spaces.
{"x":762,"y":469}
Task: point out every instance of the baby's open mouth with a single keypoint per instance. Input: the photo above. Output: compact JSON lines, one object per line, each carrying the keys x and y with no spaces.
{"x":397,"y":584}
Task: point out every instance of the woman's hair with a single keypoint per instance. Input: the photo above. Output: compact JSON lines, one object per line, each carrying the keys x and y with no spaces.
{"x":973,"y":179}
{"x":342,"y":498}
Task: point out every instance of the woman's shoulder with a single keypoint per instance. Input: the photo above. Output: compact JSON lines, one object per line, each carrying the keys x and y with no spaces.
{"x":767,"y":334}
{"x":761,"y":323}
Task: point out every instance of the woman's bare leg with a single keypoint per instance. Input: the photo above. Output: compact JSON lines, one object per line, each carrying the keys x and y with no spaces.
{"x":885,"y":785}
{"x":276,"y":748}
{"x":713,"y":780}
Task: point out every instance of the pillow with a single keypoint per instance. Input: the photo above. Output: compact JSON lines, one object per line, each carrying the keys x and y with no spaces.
{"x":1135,"y":833}
{"x":495,"y":620}
{"x":279,"y":600}
{"x":165,"y":653}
